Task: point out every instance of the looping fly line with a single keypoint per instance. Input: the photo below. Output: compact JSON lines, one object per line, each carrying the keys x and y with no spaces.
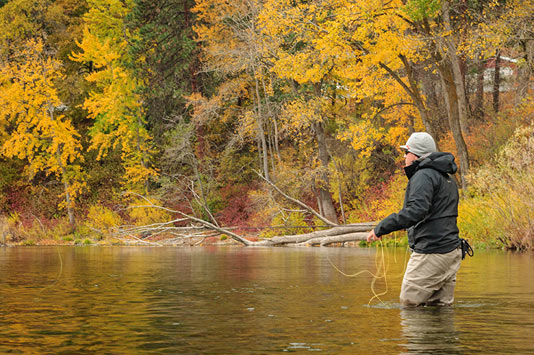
{"x":381,"y":271}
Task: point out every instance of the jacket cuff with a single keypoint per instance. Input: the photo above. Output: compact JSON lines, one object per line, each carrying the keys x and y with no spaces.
{"x":376,"y":232}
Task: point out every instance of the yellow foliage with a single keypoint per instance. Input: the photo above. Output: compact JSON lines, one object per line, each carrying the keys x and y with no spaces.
{"x":345,"y":43}
{"x":147,"y":215}
{"x":502,"y":218}
{"x":497,"y":29}
{"x":393,"y":203}
{"x":499,"y":207}
{"x":299,"y":115}
{"x":289,"y":220}
{"x":102,"y":219}
{"x":479,"y":220}
{"x":116,"y":105}
{"x":381,"y":201}
{"x":17,"y":23}
{"x":39,"y":132}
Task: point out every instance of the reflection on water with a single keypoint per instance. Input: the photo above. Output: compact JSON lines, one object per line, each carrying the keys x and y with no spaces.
{"x":251,"y":300}
{"x":429,"y":330}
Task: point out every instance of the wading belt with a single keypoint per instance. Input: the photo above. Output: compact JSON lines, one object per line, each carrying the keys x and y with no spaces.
{"x":466,"y":248}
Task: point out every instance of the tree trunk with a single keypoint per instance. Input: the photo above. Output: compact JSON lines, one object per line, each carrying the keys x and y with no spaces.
{"x":479,"y":99}
{"x":271,"y":151}
{"x":460,"y":91}
{"x":194,"y":65}
{"x":415,"y":93}
{"x":348,"y":231}
{"x":324,"y":241}
{"x":301,"y":204}
{"x":324,"y":192}
{"x":456,"y":67}
{"x":66,"y":186}
{"x":258,"y":146}
{"x":261,"y":131}
{"x":263,"y":140}
{"x":497,"y":82}
{"x":141,"y":153}
{"x":453,"y":111}
{"x":276,"y":143}
{"x":340,"y":195}
{"x":526,"y":70}
{"x":437,"y":112}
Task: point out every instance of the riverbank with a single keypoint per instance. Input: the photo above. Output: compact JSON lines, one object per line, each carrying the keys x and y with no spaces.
{"x":398,"y":240}
{"x":15,"y":237}
{"x":67,"y":241}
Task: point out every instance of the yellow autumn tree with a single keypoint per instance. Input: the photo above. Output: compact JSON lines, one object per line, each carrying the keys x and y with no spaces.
{"x":115,"y":104}
{"x":344,"y":44}
{"x":38,"y":132}
{"x":408,"y":40}
{"x":381,"y":51}
{"x":333,"y":93}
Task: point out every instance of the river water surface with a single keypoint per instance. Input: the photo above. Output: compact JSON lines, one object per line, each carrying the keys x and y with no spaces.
{"x":252,"y":300}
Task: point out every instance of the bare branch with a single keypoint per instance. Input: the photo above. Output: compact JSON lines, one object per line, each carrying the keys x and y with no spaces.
{"x":202,"y":202}
{"x":301,"y":204}
{"x":195,"y":219}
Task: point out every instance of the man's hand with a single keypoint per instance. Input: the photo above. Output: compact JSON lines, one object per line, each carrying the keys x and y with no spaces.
{"x":371,"y":237}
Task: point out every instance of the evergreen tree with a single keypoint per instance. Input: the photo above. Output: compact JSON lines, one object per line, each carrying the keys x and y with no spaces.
{"x":166,"y":62}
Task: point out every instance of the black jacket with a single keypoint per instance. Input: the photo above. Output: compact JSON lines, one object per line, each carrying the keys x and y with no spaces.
{"x":430,"y":206}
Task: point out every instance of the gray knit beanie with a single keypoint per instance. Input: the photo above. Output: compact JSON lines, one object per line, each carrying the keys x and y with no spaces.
{"x":420,"y":143}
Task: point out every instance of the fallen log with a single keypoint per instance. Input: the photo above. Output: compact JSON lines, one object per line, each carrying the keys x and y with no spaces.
{"x":325,"y":241}
{"x":351,"y":232}
{"x":336,"y":234}
{"x":341,"y":234}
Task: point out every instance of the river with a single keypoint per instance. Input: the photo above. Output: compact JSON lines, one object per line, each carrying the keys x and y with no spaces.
{"x":231,"y":300}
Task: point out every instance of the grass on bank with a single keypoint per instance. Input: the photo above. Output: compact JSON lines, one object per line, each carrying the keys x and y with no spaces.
{"x":499,"y":207}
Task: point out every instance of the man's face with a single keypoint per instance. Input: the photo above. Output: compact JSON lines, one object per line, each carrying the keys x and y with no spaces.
{"x":409,"y":158}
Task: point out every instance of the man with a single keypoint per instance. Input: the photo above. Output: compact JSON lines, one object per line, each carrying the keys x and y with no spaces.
{"x":429,"y":214}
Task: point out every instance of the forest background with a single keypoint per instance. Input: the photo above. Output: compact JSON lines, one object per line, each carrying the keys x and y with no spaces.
{"x":201,"y":105}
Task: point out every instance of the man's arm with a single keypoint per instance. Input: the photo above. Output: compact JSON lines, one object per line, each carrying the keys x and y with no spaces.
{"x":418,"y":204}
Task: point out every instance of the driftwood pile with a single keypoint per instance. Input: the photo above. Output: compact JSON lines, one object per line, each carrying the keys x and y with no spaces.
{"x":201,"y":229}
{"x":196,"y":235}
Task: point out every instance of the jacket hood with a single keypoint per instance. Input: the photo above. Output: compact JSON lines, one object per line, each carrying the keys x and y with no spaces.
{"x":442,"y":162}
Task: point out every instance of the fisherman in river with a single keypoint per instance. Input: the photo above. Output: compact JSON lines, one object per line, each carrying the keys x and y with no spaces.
{"x":429,"y":214}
